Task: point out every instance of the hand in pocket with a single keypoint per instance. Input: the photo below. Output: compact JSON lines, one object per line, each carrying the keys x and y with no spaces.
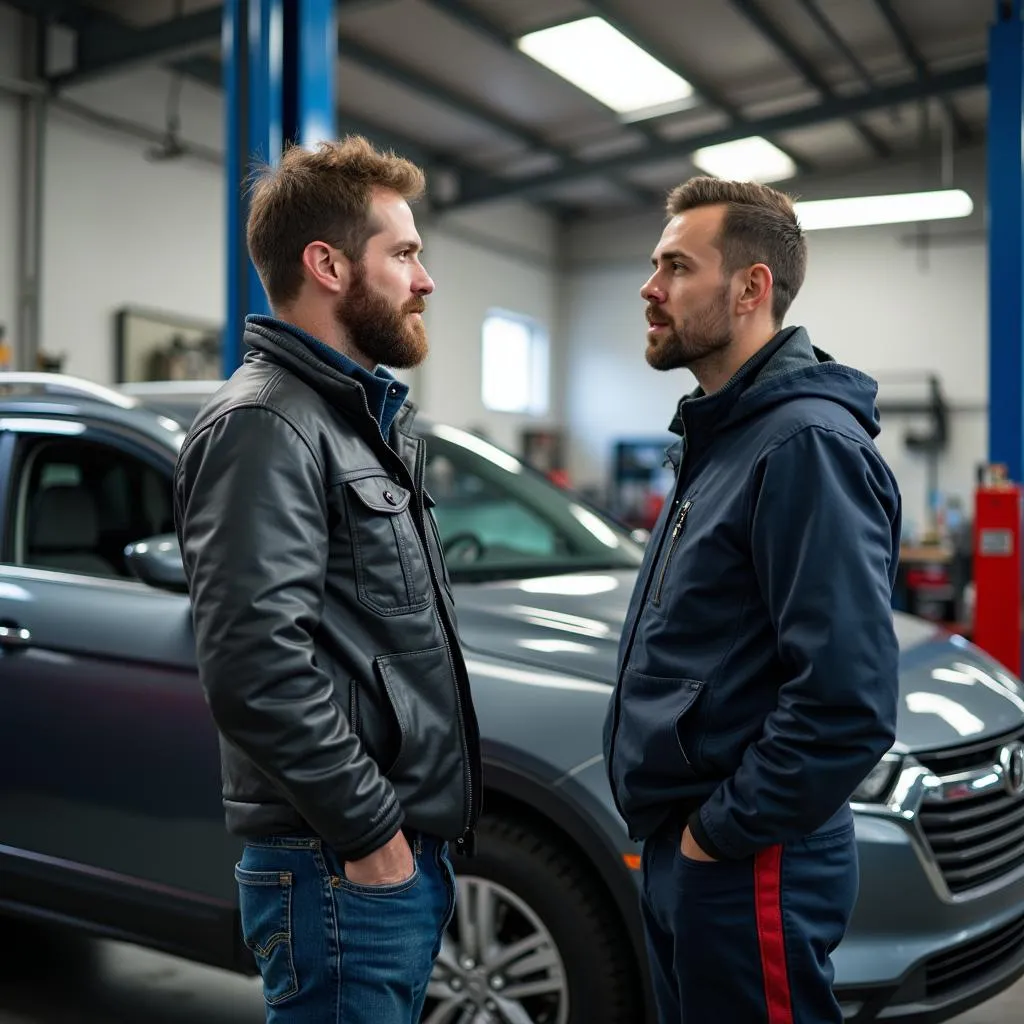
{"x":391,"y":864}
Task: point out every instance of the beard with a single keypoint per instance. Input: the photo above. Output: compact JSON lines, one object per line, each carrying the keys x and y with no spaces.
{"x":699,"y":336}
{"x":385,"y":335}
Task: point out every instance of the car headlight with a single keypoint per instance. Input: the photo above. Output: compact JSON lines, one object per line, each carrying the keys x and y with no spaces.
{"x":878,"y":781}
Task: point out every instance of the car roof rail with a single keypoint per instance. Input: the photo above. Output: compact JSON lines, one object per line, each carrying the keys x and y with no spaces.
{"x":63,"y":384}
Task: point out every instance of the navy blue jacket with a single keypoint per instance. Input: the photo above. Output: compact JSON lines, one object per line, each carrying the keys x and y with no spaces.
{"x":758,"y":665}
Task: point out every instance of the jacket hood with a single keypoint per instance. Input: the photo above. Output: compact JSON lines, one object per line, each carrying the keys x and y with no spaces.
{"x":788,"y":367}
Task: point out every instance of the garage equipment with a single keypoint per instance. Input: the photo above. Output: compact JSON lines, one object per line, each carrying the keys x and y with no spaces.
{"x":997,"y":566}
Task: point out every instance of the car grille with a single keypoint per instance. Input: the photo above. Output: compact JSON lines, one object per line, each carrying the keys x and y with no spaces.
{"x":977,"y":837}
{"x":965,"y":964}
{"x":961,"y":759}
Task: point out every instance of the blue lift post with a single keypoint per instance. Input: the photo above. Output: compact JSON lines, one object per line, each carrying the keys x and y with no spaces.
{"x":1006,"y":239}
{"x":279,"y":58}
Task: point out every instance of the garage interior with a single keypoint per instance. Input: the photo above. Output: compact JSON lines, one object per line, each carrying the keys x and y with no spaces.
{"x":128,"y":127}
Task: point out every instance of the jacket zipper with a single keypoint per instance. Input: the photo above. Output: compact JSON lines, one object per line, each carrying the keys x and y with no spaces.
{"x":684,"y":511}
{"x":465,"y":842}
{"x":353,"y":706}
{"x":628,"y":650}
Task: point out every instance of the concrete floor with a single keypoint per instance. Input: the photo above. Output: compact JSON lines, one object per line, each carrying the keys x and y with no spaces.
{"x":56,"y":981}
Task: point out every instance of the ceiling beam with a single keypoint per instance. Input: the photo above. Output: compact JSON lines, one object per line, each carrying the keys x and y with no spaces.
{"x":211,"y":73}
{"x":709,"y":93}
{"x":106,"y":45}
{"x":349,"y":49}
{"x":829,"y":30}
{"x":125,"y":42}
{"x":649,"y":45}
{"x":469,"y":17}
{"x":917,"y":61}
{"x":472,"y":19}
{"x":760,"y":19}
{"x":67,"y":12}
{"x":415,"y":81}
{"x":838,"y":108}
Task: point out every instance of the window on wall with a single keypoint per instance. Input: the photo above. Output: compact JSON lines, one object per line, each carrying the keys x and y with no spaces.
{"x":515,"y":364}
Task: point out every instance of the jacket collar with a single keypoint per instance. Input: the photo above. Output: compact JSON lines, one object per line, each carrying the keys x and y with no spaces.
{"x":700,"y":415}
{"x":341,"y":390}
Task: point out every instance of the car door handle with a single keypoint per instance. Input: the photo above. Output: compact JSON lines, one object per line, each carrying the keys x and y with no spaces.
{"x":14,"y":636}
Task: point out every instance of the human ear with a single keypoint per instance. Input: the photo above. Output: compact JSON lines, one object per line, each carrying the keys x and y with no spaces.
{"x":326,"y":265}
{"x":756,"y":288}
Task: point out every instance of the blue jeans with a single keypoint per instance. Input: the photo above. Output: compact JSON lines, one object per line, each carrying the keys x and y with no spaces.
{"x":333,"y":952}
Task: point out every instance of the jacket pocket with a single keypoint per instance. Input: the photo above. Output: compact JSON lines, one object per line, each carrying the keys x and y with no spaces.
{"x":652,"y":741}
{"x":429,"y":771}
{"x":265,"y":904}
{"x":391,"y":572}
{"x":373,"y":718}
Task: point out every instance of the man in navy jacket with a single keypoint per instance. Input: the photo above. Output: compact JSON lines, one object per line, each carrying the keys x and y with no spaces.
{"x":758,"y":666}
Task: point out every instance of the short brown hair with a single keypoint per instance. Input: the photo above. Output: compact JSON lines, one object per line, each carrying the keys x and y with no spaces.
{"x":760,"y":226}
{"x":319,"y":195}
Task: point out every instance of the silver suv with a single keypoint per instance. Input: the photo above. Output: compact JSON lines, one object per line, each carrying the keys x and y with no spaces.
{"x":110,"y":815}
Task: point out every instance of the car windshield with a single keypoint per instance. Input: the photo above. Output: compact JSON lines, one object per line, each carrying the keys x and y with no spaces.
{"x":497,"y":517}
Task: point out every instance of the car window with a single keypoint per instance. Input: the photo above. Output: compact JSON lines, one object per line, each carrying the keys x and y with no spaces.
{"x":79,"y":503}
{"x":475,"y":511}
{"x":497,"y":517}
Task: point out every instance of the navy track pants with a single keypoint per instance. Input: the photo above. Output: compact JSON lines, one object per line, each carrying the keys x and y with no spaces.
{"x":749,"y":941}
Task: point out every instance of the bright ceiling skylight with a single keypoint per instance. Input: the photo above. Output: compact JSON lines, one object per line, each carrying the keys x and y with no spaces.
{"x":601,"y":61}
{"x":863,"y":211}
{"x":753,"y":159}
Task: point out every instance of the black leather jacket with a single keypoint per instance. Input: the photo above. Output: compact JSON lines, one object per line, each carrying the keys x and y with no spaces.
{"x":325,"y":627}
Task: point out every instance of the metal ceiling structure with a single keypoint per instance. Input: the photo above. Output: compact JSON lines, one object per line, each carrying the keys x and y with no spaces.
{"x":837,"y":84}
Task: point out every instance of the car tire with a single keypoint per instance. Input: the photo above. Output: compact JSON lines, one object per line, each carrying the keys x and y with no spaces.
{"x":575,"y":964}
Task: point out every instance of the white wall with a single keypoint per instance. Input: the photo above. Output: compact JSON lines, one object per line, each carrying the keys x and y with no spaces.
{"x":874,"y":303}
{"x":870,"y":298}
{"x":496,"y":257}
{"x":10,"y":38}
{"x":121,"y":230}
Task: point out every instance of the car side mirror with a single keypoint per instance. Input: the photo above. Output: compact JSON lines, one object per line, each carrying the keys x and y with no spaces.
{"x":157,"y":561}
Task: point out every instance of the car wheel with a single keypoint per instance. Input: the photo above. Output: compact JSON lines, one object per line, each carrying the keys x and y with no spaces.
{"x":534,"y":939}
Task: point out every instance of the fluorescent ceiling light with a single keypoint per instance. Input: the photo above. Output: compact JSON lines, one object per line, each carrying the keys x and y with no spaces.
{"x":601,"y":61}
{"x":862,"y":211}
{"x":753,"y":159}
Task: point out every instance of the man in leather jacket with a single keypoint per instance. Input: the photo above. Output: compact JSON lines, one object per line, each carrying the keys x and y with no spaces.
{"x":325,"y":628}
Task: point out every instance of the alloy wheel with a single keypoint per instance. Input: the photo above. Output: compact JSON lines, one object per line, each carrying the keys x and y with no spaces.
{"x":498,"y":963}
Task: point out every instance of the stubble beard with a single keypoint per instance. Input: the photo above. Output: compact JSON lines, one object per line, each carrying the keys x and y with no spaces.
{"x":386,"y":336}
{"x":698,"y":338}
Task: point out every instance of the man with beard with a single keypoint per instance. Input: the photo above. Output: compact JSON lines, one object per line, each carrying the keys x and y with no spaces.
{"x":326,"y":637}
{"x":758,"y":665}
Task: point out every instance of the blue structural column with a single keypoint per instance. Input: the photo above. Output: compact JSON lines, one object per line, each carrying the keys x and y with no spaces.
{"x":1006,"y":239}
{"x":279,"y":59}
